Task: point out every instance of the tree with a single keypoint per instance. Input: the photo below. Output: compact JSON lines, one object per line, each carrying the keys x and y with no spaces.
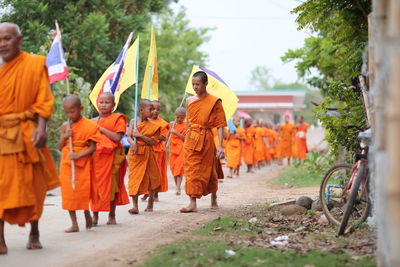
{"x":341,"y":28}
{"x":261,"y":77}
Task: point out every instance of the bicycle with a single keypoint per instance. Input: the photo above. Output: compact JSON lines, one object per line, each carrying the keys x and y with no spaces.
{"x":344,"y":189}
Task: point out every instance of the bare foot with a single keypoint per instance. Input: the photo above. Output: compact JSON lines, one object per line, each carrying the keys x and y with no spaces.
{"x":178,"y":193}
{"x":214,"y":205}
{"x":95,"y":219}
{"x":33,"y":242}
{"x":72,"y":229}
{"x":229,"y":176}
{"x":89,"y":221}
{"x":148,"y":209}
{"x":3,"y":248}
{"x":133,"y":211}
{"x":111,"y":220}
{"x":188,"y":209}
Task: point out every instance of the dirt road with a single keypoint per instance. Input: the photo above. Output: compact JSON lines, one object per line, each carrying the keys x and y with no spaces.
{"x":135,"y":235}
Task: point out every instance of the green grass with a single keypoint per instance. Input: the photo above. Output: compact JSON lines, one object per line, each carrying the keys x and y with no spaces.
{"x":298,"y":177}
{"x":214,"y":253}
{"x":228,"y":226}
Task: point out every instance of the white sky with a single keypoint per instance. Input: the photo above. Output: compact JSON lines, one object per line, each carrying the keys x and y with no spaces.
{"x":248,"y":34}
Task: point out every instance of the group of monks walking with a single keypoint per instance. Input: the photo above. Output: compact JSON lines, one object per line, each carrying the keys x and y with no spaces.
{"x":93,"y":162}
{"x":259,"y":144}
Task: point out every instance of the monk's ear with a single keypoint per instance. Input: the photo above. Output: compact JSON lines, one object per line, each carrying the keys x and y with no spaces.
{"x":81,"y":108}
{"x":206,"y":83}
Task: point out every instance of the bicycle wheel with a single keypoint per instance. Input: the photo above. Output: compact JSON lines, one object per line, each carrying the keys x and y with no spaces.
{"x":331,"y":192}
{"x":357,"y":208}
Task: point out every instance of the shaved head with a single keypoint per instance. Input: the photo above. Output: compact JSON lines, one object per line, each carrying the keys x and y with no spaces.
{"x":144,"y":103}
{"x":181,"y":111}
{"x":11,"y":26}
{"x":108,"y":94}
{"x":72,"y":100}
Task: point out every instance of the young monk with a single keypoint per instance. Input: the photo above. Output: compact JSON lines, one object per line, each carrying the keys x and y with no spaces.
{"x":259,"y":152}
{"x":248,"y":145}
{"x":234,"y":149}
{"x":85,"y":133}
{"x":109,"y":161}
{"x":144,"y":175}
{"x":301,"y":138}
{"x":287,"y":133}
{"x":159,"y":148}
{"x":178,"y":131}
{"x":202,"y":166}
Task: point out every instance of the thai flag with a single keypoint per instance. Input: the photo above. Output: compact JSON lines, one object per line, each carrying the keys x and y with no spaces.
{"x":111,"y":82}
{"x":55,"y":62}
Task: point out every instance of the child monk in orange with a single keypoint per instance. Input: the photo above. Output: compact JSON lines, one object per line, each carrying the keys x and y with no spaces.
{"x":178,"y":131}
{"x":144,"y":175}
{"x":85,"y":133}
{"x":159,"y":148}
{"x":109,"y":161}
{"x":234,"y":149}
{"x":287,"y":133}
{"x":301,"y":139}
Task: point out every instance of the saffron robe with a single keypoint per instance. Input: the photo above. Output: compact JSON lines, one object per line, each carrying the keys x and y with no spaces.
{"x":176,"y":150}
{"x":201,"y":166}
{"x":234,"y":148}
{"x":83,"y":130}
{"x":143,"y":168}
{"x":161,"y":153}
{"x":26,"y":173}
{"x":287,"y":135}
{"x":259,"y":152}
{"x":301,"y":141}
{"x":109,"y":166}
{"x":248,"y":146}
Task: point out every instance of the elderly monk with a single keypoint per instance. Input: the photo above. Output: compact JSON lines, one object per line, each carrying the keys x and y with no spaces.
{"x":202,"y":165}
{"x":27,"y":170}
{"x":301,"y":139}
{"x":287,"y":134}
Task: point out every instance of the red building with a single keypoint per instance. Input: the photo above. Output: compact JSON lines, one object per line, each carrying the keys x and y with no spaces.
{"x":270,"y":105}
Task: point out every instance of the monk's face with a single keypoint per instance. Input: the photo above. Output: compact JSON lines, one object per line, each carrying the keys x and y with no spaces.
{"x":248,"y":122}
{"x":105,"y":104}
{"x":255,"y":124}
{"x":179,"y":117}
{"x":146,"y":111}
{"x":73,"y":111}
{"x":198,"y":86}
{"x":236,"y":121}
{"x":156,"y":110}
{"x":300,"y":119}
{"x":286,"y":119}
{"x":10,"y":43}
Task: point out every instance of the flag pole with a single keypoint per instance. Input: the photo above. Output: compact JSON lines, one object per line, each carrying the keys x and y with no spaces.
{"x":136,"y":85}
{"x":71,"y":148}
{"x":149,"y":83}
{"x":173,"y":124}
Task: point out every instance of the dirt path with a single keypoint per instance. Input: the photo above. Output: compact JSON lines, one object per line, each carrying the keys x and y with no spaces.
{"x":134,"y":236}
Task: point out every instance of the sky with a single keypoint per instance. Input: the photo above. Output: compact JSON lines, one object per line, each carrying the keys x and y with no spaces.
{"x":247,"y":34}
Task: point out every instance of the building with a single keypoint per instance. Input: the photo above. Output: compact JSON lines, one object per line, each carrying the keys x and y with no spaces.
{"x":270,"y":105}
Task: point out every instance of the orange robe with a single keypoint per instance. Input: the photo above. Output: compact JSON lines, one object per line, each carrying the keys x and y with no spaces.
{"x":202,"y":168}
{"x":143,"y":169}
{"x":234,"y":149}
{"x":301,"y":141}
{"x":176,"y":150}
{"x":287,"y":135}
{"x":271,"y":135}
{"x":78,"y":198}
{"x":26,"y":173}
{"x":259,"y":152}
{"x":161,"y":153}
{"x":109,"y":166}
{"x":248,"y":146}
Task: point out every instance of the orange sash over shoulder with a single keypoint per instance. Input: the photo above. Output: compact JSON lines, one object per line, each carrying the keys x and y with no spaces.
{"x":161,"y":153}
{"x":143,"y":169}
{"x":109,"y":166}
{"x":26,"y":173}
{"x":78,"y":198}
{"x":176,"y":150}
{"x":201,"y":166}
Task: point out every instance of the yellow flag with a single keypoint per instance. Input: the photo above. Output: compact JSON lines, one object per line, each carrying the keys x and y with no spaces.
{"x":217,"y":87}
{"x":128,"y":76}
{"x":150,"y":81}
